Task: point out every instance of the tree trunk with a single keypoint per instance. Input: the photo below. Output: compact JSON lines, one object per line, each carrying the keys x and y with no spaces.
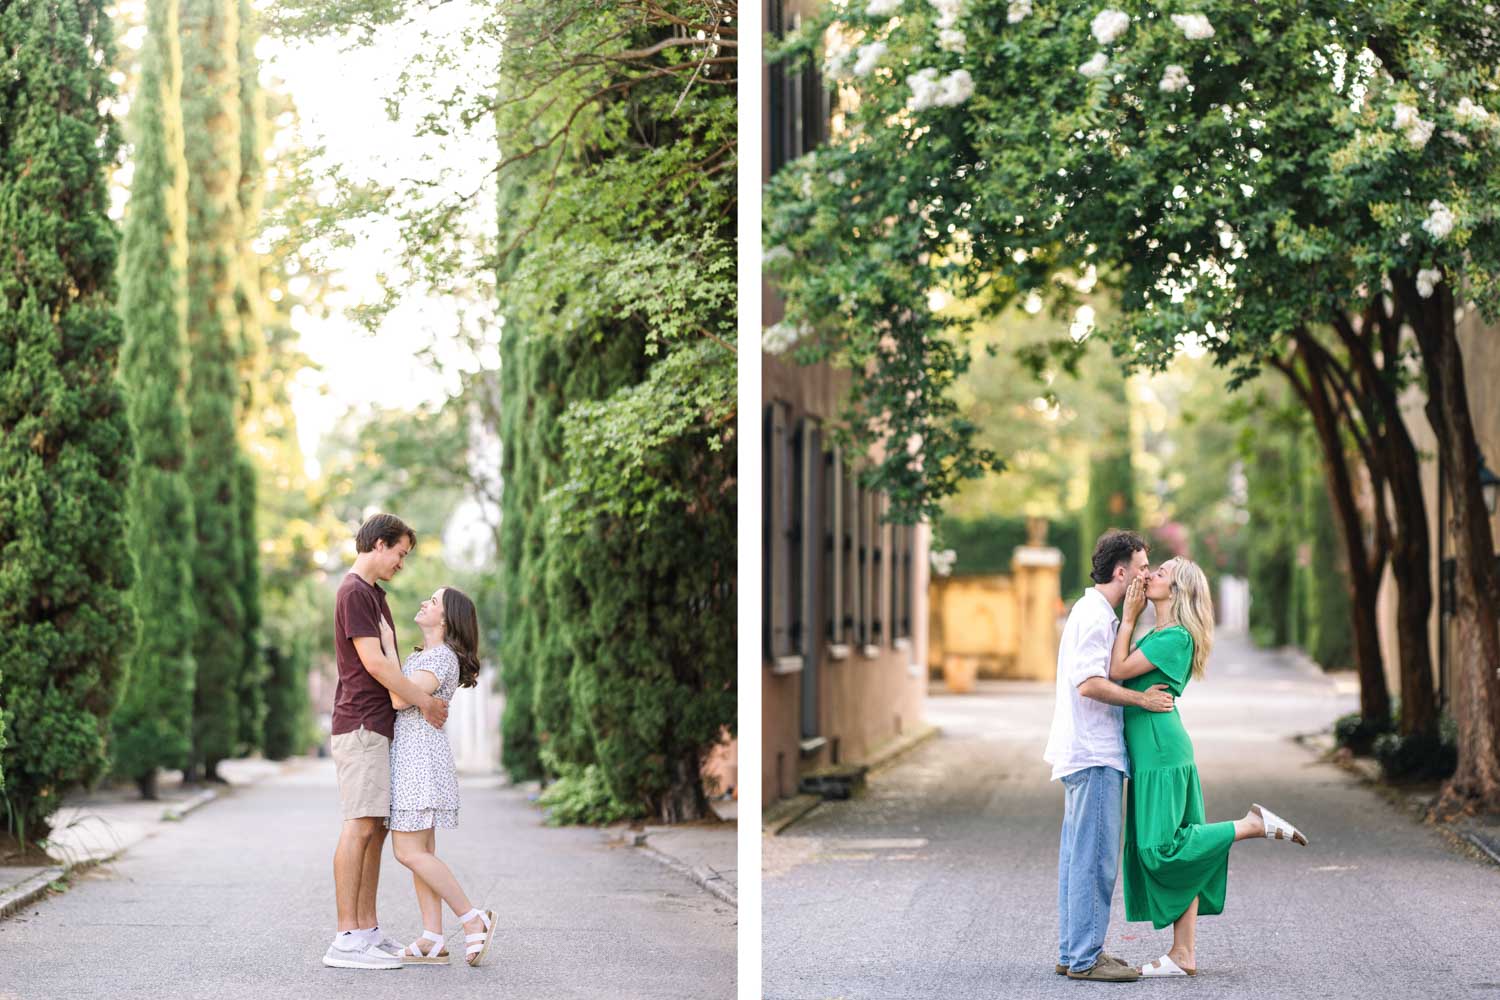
{"x":1393,"y":457}
{"x":147,"y":784}
{"x":1364,"y":571}
{"x":1475,"y":697}
{"x":684,"y":800}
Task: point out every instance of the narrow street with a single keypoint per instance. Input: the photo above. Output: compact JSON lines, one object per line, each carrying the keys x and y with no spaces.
{"x":236,"y":901}
{"x":941,"y":880}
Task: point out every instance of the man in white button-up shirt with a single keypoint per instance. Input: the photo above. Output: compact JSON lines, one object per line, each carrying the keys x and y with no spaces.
{"x":1086,"y":749}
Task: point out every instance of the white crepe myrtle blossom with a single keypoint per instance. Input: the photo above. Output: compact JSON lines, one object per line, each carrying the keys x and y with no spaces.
{"x":1469,"y":113}
{"x":1109,"y":24}
{"x":1193,"y":26}
{"x":869,"y":57}
{"x":929,"y":90}
{"x":1175,"y":78}
{"x":1416,"y":128}
{"x":953,"y":40}
{"x":781,"y":337}
{"x":882,"y":8}
{"x":776,"y":255}
{"x":1440,"y":221}
{"x":1018,"y":11}
{"x":1097,"y":66}
{"x":942,"y":562}
{"x":948,"y":12}
{"x":1427,"y":281}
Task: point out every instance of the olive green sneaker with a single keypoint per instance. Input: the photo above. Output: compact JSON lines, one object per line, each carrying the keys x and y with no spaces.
{"x":1107,"y":972}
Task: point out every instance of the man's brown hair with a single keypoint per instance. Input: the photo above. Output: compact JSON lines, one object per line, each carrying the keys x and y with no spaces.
{"x":386,"y":528}
{"x":1114,"y":548}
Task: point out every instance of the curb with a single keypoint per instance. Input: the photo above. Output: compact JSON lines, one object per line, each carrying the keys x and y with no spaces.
{"x":783,"y":814}
{"x":775,"y":820}
{"x":706,"y":878}
{"x":203,"y":798}
{"x":29,"y":891}
{"x":900,"y":746}
{"x":1368,"y":774}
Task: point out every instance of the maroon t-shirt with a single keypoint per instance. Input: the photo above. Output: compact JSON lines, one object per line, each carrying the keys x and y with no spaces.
{"x":359,"y":699}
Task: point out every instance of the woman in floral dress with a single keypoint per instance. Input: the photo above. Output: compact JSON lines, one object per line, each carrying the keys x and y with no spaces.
{"x":424,"y":781}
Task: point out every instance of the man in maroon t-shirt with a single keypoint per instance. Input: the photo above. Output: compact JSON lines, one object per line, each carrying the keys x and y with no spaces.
{"x":363,"y":725}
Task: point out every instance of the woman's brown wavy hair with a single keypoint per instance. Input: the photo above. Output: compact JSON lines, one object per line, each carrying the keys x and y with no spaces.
{"x":461,"y":634}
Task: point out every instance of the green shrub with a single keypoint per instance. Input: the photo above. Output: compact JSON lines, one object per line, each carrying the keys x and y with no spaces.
{"x":1359,"y":734}
{"x":1419,"y":757}
{"x":986,"y":545}
{"x":581,"y":795}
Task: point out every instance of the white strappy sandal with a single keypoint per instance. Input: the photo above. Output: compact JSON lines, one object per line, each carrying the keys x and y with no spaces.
{"x":1278,"y":828}
{"x":1164,"y":968}
{"x":478,"y":945}
{"x":413,"y":954}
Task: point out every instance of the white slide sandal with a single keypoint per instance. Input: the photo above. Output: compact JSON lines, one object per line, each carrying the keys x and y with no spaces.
{"x":1165,"y":968}
{"x":413,"y":954}
{"x":478,"y":945}
{"x":1278,"y":828}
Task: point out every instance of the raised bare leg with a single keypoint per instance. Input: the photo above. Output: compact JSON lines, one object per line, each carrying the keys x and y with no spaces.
{"x":1249,"y":826}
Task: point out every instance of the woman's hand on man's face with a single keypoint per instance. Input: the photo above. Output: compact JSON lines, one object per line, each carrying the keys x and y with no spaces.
{"x":1135,"y":598}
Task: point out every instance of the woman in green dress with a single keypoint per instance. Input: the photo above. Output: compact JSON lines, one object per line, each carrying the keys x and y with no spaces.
{"x":1176,"y":863}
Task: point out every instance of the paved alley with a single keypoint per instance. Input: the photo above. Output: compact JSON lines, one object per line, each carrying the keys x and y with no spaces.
{"x":236,"y":901}
{"x":941,"y":880}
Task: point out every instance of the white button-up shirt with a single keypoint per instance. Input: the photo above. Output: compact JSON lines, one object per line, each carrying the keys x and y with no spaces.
{"x":1085,"y":732}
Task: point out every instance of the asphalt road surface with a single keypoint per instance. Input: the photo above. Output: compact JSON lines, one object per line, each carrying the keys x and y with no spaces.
{"x":236,"y":901}
{"x":941,"y":880}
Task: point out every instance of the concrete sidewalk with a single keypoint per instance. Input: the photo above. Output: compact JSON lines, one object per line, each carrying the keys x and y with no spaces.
{"x":706,"y":852}
{"x":97,"y":826}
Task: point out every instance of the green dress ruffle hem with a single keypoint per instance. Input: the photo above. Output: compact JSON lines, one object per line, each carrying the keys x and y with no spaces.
{"x":1172,"y":854}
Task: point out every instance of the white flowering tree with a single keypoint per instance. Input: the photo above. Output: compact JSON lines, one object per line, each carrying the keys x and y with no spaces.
{"x":1307,"y":186}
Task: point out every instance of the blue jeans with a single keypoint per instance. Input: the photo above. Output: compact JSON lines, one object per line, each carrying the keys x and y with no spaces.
{"x":1088,"y":860}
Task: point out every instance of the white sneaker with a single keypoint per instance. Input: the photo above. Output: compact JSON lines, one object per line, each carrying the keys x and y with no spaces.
{"x":360,"y":956}
{"x":387,"y":945}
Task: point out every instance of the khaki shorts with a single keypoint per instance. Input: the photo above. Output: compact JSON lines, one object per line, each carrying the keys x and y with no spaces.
{"x":363,"y":759}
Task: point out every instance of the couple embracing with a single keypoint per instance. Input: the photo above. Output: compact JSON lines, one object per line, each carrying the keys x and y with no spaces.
{"x":395,"y":766}
{"x":1115,"y":718}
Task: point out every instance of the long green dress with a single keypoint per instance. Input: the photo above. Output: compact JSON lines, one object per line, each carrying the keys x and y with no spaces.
{"x":1171,"y":853}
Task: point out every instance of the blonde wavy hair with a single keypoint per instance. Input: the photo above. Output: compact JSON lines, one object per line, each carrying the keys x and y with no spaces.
{"x":1192,"y":607}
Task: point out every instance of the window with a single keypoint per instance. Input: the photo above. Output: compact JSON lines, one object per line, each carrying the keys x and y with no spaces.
{"x":877,"y":603}
{"x":835,"y":547}
{"x":859,"y":607}
{"x":776,"y":511}
{"x":798,"y":103}
{"x":903,"y":540}
{"x":802,"y":537}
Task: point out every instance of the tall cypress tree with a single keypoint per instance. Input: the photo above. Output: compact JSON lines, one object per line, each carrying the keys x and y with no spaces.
{"x":248,"y":301}
{"x":152,"y":728}
{"x":65,"y":572}
{"x":211,"y":120}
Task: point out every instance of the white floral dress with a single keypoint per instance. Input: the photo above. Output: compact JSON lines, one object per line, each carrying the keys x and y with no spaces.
{"x":424,"y":781}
